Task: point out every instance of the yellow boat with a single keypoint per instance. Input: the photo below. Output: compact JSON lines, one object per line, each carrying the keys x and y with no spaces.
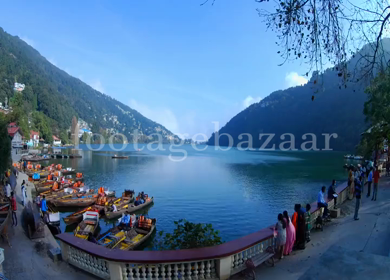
{"x":89,"y":224}
{"x":126,"y":238}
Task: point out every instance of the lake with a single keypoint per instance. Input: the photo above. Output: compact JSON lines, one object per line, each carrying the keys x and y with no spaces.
{"x":239,"y":192}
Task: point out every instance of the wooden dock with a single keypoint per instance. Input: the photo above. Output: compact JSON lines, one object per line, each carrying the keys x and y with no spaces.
{"x":65,"y":156}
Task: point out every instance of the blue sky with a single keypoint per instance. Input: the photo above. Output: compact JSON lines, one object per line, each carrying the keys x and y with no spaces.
{"x":178,"y":63}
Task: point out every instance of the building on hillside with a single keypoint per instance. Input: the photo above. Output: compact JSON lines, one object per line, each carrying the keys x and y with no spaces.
{"x":19,"y":87}
{"x":56,"y":141}
{"x":34,"y":138}
{"x":16,"y":136}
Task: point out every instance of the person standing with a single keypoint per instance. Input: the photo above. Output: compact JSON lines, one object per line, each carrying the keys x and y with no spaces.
{"x":290,"y":235}
{"x":14,"y":208}
{"x":357,"y":197}
{"x":376,"y":176}
{"x":24,"y":193}
{"x":332,"y":194}
{"x":280,"y":228}
{"x":43,"y":207}
{"x":369,"y":182}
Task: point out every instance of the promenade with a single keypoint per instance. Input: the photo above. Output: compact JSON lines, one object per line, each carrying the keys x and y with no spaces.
{"x":346,"y":249}
{"x":28,"y":259}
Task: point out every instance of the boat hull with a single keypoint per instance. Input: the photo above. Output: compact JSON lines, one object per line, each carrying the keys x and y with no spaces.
{"x":129,"y":209}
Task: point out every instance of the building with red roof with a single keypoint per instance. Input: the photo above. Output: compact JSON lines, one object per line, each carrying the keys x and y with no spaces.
{"x":15,"y":134}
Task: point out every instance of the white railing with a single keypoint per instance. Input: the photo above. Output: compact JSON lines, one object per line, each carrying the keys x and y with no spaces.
{"x":190,"y":270}
{"x":218,"y":262}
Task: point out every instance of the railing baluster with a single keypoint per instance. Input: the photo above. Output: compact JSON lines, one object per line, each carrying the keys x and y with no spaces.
{"x":202,"y":270}
{"x":175,"y":272}
{"x":208,"y":271}
{"x":196,"y":271}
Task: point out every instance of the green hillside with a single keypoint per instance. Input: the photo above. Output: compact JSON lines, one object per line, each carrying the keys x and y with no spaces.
{"x":59,"y":96}
{"x":337,"y":108}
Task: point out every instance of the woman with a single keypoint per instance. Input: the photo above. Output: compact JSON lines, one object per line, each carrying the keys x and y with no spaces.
{"x":290,"y":234}
{"x":281,"y":235}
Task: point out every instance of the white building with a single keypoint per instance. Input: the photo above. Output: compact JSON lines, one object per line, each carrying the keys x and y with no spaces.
{"x":17,"y":140}
{"x":56,"y":141}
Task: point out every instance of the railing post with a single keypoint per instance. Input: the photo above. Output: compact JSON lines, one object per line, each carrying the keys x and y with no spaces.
{"x":115,"y":271}
{"x":224,"y":266}
{"x":64,"y":251}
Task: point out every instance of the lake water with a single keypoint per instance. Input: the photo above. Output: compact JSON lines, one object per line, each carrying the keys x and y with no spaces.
{"x":239,"y":192}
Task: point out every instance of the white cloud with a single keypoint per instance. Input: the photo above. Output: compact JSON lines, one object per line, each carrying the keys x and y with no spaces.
{"x":293,"y":79}
{"x":249,"y":100}
{"x":160,"y":115}
{"x":97,"y":84}
{"x":27,"y":40}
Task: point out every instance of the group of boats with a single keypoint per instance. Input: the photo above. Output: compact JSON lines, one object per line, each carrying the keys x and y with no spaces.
{"x":63,"y":188}
{"x":353,"y":157}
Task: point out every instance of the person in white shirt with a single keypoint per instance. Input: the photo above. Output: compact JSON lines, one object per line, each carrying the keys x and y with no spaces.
{"x":114,"y":209}
{"x":321,"y":201}
{"x":8,"y":190}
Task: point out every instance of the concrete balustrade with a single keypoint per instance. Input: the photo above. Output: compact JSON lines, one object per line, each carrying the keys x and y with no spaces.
{"x":217,"y":262}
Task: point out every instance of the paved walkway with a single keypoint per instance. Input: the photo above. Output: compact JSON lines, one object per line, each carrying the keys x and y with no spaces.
{"x":346,"y":249}
{"x":28,"y":259}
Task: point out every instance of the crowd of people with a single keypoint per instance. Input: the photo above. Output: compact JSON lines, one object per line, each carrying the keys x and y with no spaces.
{"x":293,"y":233}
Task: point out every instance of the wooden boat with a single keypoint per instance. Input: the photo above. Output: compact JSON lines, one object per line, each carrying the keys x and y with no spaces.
{"x":89,"y":224}
{"x":118,"y":238}
{"x":5,"y":217}
{"x":130,"y":208}
{"x":120,"y":157}
{"x":77,"y":217}
{"x":76,"y":201}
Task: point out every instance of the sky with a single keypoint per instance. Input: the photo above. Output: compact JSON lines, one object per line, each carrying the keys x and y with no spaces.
{"x":178,"y":63}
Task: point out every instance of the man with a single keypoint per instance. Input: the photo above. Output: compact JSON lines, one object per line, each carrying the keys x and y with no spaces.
{"x":363,"y":174}
{"x":358,"y":197}
{"x":125,"y":221}
{"x":369,"y":182}
{"x":321,"y":201}
{"x":25,"y":165}
{"x":332,"y":194}
{"x":14,"y":207}
{"x":43,"y":207}
{"x":376,"y":176}
{"x":24,"y":193}
{"x":114,"y":209}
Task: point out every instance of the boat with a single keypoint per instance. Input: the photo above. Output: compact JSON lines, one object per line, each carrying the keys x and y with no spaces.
{"x":130,"y":208}
{"x":52,"y":220}
{"x":77,"y":217}
{"x":89,"y":224}
{"x":5,"y":217}
{"x":76,"y":201}
{"x":120,"y":157}
{"x":122,"y":239}
{"x":358,"y":157}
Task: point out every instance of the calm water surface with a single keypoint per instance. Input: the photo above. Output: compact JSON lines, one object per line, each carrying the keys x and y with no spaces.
{"x":239,"y":192}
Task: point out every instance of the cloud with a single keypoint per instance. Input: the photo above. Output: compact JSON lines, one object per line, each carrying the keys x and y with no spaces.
{"x":160,"y":115}
{"x":249,"y":100}
{"x":27,"y":40}
{"x":293,"y":79}
{"x":97,"y":84}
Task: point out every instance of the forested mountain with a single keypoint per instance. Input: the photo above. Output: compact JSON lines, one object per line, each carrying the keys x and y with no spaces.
{"x":337,"y":108}
{"x":59,"y":96}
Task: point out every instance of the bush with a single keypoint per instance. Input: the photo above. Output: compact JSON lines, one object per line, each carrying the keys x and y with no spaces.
{"x":188,"y":235}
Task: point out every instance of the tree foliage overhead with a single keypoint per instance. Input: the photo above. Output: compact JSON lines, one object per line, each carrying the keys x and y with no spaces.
{"x":60,"y":96}
{"x":188,"y":235}
{"x":331,"y":31}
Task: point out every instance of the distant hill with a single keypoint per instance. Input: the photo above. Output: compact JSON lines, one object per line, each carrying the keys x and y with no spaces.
{"x":335,"y":109}
{"x":60,"y":96}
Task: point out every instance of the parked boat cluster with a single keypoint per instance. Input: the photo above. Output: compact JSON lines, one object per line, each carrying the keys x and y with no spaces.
{"x":63,"y":188}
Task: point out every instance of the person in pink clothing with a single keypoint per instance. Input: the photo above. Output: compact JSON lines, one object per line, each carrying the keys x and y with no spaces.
{"x":290,"y":232}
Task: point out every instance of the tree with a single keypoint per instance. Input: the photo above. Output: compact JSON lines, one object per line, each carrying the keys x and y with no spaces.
{"x":41,"y":123}
{"x":188,"y":235}
{"x":64,"y":137}
{"x":5,"y":145}
{"x":329,"y":31}
{"x":84,"y":137}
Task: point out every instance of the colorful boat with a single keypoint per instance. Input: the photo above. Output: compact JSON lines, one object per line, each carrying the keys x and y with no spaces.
{"x":77,"y":217}
{"x":131,"y":208}
{"x":89,"y":224}
{"x":76,"y":201}
{"x":131,"y":239}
